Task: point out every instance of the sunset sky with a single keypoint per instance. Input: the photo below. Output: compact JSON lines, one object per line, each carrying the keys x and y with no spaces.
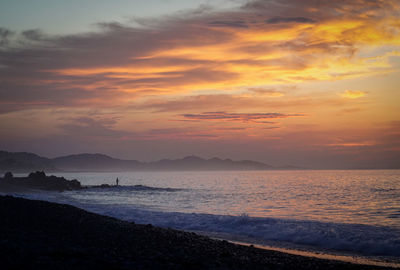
{"x":307,"y":83}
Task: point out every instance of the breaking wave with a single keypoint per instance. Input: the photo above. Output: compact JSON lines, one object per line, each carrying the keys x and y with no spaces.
{"x":360,"y":239}
{"x":355,"y":239}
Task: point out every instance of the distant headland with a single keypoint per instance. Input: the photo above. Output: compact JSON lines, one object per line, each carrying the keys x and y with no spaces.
{"x":20,"y":162}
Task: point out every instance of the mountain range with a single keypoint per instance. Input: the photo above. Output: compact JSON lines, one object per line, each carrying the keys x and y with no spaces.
{"x":27,"y":162}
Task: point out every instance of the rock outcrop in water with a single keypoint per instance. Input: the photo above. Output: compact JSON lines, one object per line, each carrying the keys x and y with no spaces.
{"x":39,"y":180}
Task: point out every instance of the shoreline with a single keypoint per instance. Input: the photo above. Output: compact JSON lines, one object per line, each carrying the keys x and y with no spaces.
{"x":61,"y":235}
{"x":384,"y":261}
{"x":355,"y":259}
{"x":313,"y":253}
{"x":305,"y":251}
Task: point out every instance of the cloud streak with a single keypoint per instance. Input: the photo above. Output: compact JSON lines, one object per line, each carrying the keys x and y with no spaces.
{"x":242,"y":117}
{"x":289,"y":20}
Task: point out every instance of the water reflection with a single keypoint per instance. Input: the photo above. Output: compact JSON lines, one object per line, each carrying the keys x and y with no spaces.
{"x":366,"y":197}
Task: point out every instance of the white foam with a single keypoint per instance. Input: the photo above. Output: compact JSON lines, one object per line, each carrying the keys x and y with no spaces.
{"x":353,"y":238}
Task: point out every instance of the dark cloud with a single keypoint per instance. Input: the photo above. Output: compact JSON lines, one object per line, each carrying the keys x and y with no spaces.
{"x":262,"y":91}
{"x":234,"y":24}
{"x":103,"y":128}
{"x":258,"y":99}
{"x":317,"y":9}
{"x":92,"y":128}
{"x":14,"y":97}
{"x":33,"y":34}
{"x":243,"y":117}
{"x":27,"y":73}
{"x":289,"y":20}
{"x":176,"y":133}
{"x":199,"y":102}
{"x":5,"y":36}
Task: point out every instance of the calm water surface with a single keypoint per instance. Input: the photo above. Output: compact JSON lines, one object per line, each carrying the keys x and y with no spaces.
{"x":363,"y":197}
{"x":355,"y":212}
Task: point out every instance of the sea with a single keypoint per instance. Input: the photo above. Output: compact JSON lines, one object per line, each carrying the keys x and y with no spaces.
{"x":340,"y":212}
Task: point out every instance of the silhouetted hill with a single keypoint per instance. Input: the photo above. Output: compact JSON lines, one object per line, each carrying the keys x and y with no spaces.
{"x":197,"y":163}
{"x":27,"y":162}
{"x":94,"y":162}
{"x":100,"y":162}
{"x":24,"y":162}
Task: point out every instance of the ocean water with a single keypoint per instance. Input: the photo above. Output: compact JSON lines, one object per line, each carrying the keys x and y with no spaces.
{"x":350,"y":211}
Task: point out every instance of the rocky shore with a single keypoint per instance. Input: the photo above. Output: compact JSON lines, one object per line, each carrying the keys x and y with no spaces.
{"x":39,"y":181}
{"x":43,"y":235}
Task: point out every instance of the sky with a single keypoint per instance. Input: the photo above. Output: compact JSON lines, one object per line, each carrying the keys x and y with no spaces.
{"x":308,"y":83}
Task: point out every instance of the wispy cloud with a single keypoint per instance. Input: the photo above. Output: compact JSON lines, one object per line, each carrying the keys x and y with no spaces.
{"x":242,"y":117}
{"x":266,"y":92}
{"x":353,"y":94}
{"x":90,"y":127}
{"x":289,"y":20}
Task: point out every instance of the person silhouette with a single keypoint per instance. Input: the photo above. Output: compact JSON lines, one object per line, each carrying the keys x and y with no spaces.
{"x":117,"y":181}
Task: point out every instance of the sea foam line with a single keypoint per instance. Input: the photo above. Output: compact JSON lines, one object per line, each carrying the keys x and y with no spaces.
{"x":354,"y":238}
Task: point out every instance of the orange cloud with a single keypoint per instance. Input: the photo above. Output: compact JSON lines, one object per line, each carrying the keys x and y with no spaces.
{"x":264,"y":50}
{"x":353,"y":94}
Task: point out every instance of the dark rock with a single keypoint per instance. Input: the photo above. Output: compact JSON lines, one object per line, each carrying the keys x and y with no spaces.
{"x":39,"y":180}
{"x":8,"y":176}
{"x":37,"y":175}
{"x":75,"y":184}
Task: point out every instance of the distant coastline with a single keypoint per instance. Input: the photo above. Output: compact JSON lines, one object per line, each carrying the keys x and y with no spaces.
{"x":25,"y":162}
{"x":20,"y":162}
